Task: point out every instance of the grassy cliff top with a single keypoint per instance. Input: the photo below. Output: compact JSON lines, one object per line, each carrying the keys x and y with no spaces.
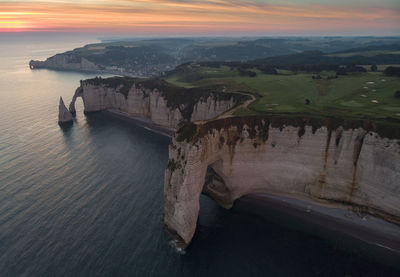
{"x":357,"y":95}
{"x":192,"y":132}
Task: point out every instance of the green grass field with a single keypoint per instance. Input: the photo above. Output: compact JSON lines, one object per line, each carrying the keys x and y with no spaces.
{"x":358,"y":95}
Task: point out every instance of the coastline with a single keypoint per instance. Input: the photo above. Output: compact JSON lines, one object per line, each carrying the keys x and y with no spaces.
{"x":90,"y":71}
{"x":374,"y":236}
{"x":142,"y":122}
{"x":338,"y":219}
{"x":110,"y":72}
{"x":365,"y":233}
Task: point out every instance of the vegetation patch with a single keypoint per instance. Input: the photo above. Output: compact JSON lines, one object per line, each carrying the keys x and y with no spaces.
{"x":260,"y":124}
{"x":173,"y":165}
{"x":356,"y":95}
{"x":186,"y":132}
{"x":392,"y":71}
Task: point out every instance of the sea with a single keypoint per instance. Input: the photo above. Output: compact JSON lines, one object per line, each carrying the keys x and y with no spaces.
{"x":87,"y":200}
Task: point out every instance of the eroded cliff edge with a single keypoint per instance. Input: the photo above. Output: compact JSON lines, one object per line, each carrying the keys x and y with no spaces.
{"x":354,"y":164}
{"x":65,"y":62}
{"x":155,"y":100}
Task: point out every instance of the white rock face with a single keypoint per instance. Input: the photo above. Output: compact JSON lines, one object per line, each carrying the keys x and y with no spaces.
{"x":210,"y":108}
{"x":65,"y":62}
{"x":147,"y":104}
{"x":64,"y":115}
{"x":352,"y":167}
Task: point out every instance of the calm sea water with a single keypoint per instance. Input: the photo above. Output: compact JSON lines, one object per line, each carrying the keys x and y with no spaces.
{"x":87,"y":200}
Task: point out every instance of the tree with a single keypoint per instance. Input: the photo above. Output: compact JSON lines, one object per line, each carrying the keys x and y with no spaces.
{"x":392,"y":71}
{"x":374,"y":68}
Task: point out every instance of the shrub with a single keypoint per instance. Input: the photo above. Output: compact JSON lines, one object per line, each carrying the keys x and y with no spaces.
{"x":392,"y":71}
{"x":186,"y":132}
{"x":252,"y":73}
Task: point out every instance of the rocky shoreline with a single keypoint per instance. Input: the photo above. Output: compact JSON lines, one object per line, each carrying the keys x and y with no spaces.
{"x":340,"y":219}
{"x":333,"y":165}
{"x":354,"y":232}
{"x":327,"y":162}
{"x":337,"y":218}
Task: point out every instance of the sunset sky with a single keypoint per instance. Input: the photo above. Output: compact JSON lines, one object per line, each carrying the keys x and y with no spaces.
{"x":213,"y":17}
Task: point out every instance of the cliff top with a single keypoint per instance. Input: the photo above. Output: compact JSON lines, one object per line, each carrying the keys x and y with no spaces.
{"x":192,"y":132}
{"x":352,"y":91}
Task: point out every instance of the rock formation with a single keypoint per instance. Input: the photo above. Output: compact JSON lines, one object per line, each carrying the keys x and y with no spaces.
{"x":153,"y":100}
{"x":64,"y":116}
{"x":78,"y":93}
{"x":65,"y":62}
{"x":352,"y":164}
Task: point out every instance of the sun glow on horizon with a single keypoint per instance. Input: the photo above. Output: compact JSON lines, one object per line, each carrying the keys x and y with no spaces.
{"x":197,"y":17}
{"x":16,"y":21}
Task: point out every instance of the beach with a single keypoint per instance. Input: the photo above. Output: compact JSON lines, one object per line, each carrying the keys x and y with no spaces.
{"x":363,"y":231}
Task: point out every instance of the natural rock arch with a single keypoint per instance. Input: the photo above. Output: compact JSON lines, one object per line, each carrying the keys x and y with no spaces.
{"x":78,"y":93}
{"x":334,"y":164}
{"x":216,"y":187}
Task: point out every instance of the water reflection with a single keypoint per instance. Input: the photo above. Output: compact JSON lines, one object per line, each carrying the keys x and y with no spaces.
{"x":87,"y":200}
{"x":66,"y":127}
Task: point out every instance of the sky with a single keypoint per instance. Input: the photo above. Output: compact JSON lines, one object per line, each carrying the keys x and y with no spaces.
{"x":203,"y":17}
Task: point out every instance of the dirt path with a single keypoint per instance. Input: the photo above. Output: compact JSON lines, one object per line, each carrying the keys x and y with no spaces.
{"x":231,"y":111}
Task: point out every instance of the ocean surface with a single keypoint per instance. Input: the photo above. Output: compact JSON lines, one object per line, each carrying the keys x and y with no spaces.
{"x":87,"y":200}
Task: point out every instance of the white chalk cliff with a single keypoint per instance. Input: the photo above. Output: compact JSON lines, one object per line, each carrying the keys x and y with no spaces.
{"x":64,"y":116}
{"x":334,"y":164}
{"x":149,"y":103}
{"x":65,"y":62}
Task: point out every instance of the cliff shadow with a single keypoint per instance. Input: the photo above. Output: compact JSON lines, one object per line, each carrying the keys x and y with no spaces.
{"x":216,"y":187}
{"x":66,"y":128}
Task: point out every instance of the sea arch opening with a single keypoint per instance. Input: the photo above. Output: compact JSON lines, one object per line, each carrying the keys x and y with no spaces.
{"x":215,"y":185}
{"x":78,"y":93}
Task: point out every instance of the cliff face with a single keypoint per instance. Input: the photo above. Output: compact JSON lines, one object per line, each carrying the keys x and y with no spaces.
{"x":151,"y":103}
{"x":65,"y":62}
{"x":335,"y":163}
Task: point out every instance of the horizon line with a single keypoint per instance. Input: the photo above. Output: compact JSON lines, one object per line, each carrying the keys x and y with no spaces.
{"x":195,"y":35}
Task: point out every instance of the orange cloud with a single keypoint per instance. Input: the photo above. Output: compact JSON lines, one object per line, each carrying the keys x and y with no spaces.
{"x":212,"y":16}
